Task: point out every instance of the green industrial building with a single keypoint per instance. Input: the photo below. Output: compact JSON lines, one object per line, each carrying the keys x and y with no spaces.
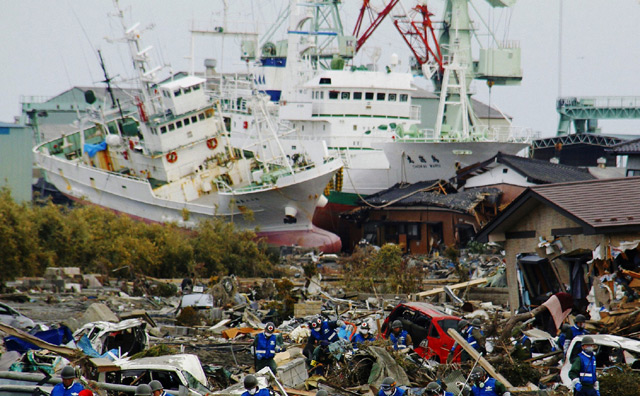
{"x":16,"y":160}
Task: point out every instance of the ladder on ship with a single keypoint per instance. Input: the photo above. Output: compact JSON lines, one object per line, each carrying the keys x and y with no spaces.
{"x":453,"y":93}
{"x":584,"y":112}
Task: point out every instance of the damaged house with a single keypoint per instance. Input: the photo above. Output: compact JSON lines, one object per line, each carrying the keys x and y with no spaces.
{"x":513,"y":174}
{"x":568,"y":236}
{"x":425,"y":216}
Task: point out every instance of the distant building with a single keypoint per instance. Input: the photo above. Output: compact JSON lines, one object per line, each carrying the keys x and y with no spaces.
{"x":630,"y":152}
{"x":513,"y":174}
{"x":16,"y":161}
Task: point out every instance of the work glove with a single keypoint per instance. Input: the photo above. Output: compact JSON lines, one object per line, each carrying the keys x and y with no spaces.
{"x":259,"y":356}
{"x":596,"y":386}
{"x":314,"y":363}
{"x":578,"y":387}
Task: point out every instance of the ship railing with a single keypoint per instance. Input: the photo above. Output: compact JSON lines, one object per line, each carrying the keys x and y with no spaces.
{"x":603,"y":102}
{"x":504,"y":133}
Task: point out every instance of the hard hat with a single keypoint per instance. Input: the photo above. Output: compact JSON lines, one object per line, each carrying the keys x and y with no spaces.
{"x":68,"y":372}
{"x":462,"y":324}
{"x":365,"y":326}
{"x":476,"y":322}
{"x":143,"y":390}
{"x":156,"y":385}
{"x":396,"y":324}
{"x":580,"y":318}
{"x":588,"y":340}
{"x":250,"y":381}
{"x":85,"y":392}
{"x":317,"y":322}
{"x":269,"y":327}
{"x":433,"y":388}
{"x":477,"y":373}
{"x":322,"y":392}
{"x":387,"y":383}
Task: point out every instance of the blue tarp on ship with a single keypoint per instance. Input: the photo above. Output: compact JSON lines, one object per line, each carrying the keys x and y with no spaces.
{"x":92,"y":149}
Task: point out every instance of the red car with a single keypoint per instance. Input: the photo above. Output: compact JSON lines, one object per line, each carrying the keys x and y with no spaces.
{"x":427,"y":325}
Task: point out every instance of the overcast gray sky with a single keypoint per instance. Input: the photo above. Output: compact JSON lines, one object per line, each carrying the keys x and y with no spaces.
{"x":49,"y":46}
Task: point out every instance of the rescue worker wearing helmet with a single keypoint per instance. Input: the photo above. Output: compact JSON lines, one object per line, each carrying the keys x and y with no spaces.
{"x":143,"y":390}
{"x":68,"y":386}
{"x":400,"y":338}
{"x":265,"y":346}
{"x":435,"y":389}
{"x":157,"y":389}
{"x":363,"y":334}
{"x":323,"y":333}
{"x":388,"y":388}
{"x":252,"y":388}
{"x":583,"y":370}
{"x":474,"y":337}
{"x":570,"y":333}
{"x":483,"y":385}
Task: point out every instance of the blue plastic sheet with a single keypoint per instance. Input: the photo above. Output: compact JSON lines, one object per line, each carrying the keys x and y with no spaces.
{"x":88,"y":349}
{"x":59,"y":336}
{"x":92,"y":149}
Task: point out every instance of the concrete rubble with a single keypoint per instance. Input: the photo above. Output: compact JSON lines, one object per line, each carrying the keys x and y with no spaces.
{"x":200,"y":339}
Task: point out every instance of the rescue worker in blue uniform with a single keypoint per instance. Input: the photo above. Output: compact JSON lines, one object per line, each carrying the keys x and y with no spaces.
{"x":583,"y":370}
{"x":483,"y":385}
{"x":576,"y":330}
{"x":362,"y":335}
{"x":265,"y":347}
{"x":434,"y":389}
{"x":474,"y":337}
{"x":252,"y":388}
{"x":522,"y":346}
{"x":323,"y":333}
{"x":68,"y":386}
{"x":157,"y":389}
{"x":399,"y":337}
{"x":388,"y":388}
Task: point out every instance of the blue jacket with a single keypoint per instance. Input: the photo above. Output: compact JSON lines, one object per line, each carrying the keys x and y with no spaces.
{"x":261,"y":392}
{"x":265,"y":346}
{"x":326,"y":335}
{"x":489,"y":388}
{"x":471,"y":339}
{"x":587,"y":368}
{"x":358,"y":338}
{"x":73,"y":390}
{"x":397,"y":392}
{"x":564,"y":341}
{"x":399,"y":341}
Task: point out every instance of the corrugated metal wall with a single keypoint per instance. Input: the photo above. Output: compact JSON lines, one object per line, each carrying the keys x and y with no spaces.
{"x":16,"y":160}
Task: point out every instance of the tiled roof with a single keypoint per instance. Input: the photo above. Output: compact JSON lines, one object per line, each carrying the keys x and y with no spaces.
{"x":628,"y":147}
{"x":538,"y":171}
{"x":598,"y":203}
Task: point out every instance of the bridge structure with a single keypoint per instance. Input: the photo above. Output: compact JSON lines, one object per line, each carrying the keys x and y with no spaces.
{"x":584,"y":112}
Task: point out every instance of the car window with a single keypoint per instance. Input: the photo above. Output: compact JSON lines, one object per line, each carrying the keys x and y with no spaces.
{"x":194,"y":383}
{"x":446,"y":324}
{"x":169,"y":379}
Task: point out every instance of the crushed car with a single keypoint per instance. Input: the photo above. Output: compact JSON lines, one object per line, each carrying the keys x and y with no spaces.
{"x":120,"y":339}
{"x":427,"y":325}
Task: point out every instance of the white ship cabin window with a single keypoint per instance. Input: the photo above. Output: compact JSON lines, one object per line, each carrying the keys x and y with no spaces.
{"x":404,"y":97}
{"x":186,"y":121}
{"x":165,"y":93}
{"x":346,"y":95}
{"x":171,"y":127}
{"x":368,"y":96}
{"x":187,"y":90}
{"x":177,"y":93}
{"x":357,"y":96}
{"x":321,"y":94}
{"x":179,"y":124}
{"x":325,"y":81}
{"x":196,"y":87}
{"x":302,"y":127}
{"x":380,"y":96}
{"x":393,"y":97}
{"x":333,"y":94}
{"x":163,"y":129}
{"x":194,"y":119}
{"x":201,"y":116}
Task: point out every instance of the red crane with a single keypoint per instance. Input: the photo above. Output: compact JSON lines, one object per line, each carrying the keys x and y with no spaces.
{"x":415,"y":28}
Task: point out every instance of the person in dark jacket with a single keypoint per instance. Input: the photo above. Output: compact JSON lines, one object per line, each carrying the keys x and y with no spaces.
{"x":474,"y":337}
{"x":157,"y":389}
{"x":323,"y":334}
{"x":252,"y":388}
{"x":569,"y":334}
{"x":435,"y":389}
{"x":388,"y":387}
{"x":583,"y":370}
{"x":483,"y":385}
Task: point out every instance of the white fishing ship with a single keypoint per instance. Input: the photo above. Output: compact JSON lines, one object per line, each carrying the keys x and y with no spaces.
{"x":172,"y":161}
{"x":367,"y":117}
